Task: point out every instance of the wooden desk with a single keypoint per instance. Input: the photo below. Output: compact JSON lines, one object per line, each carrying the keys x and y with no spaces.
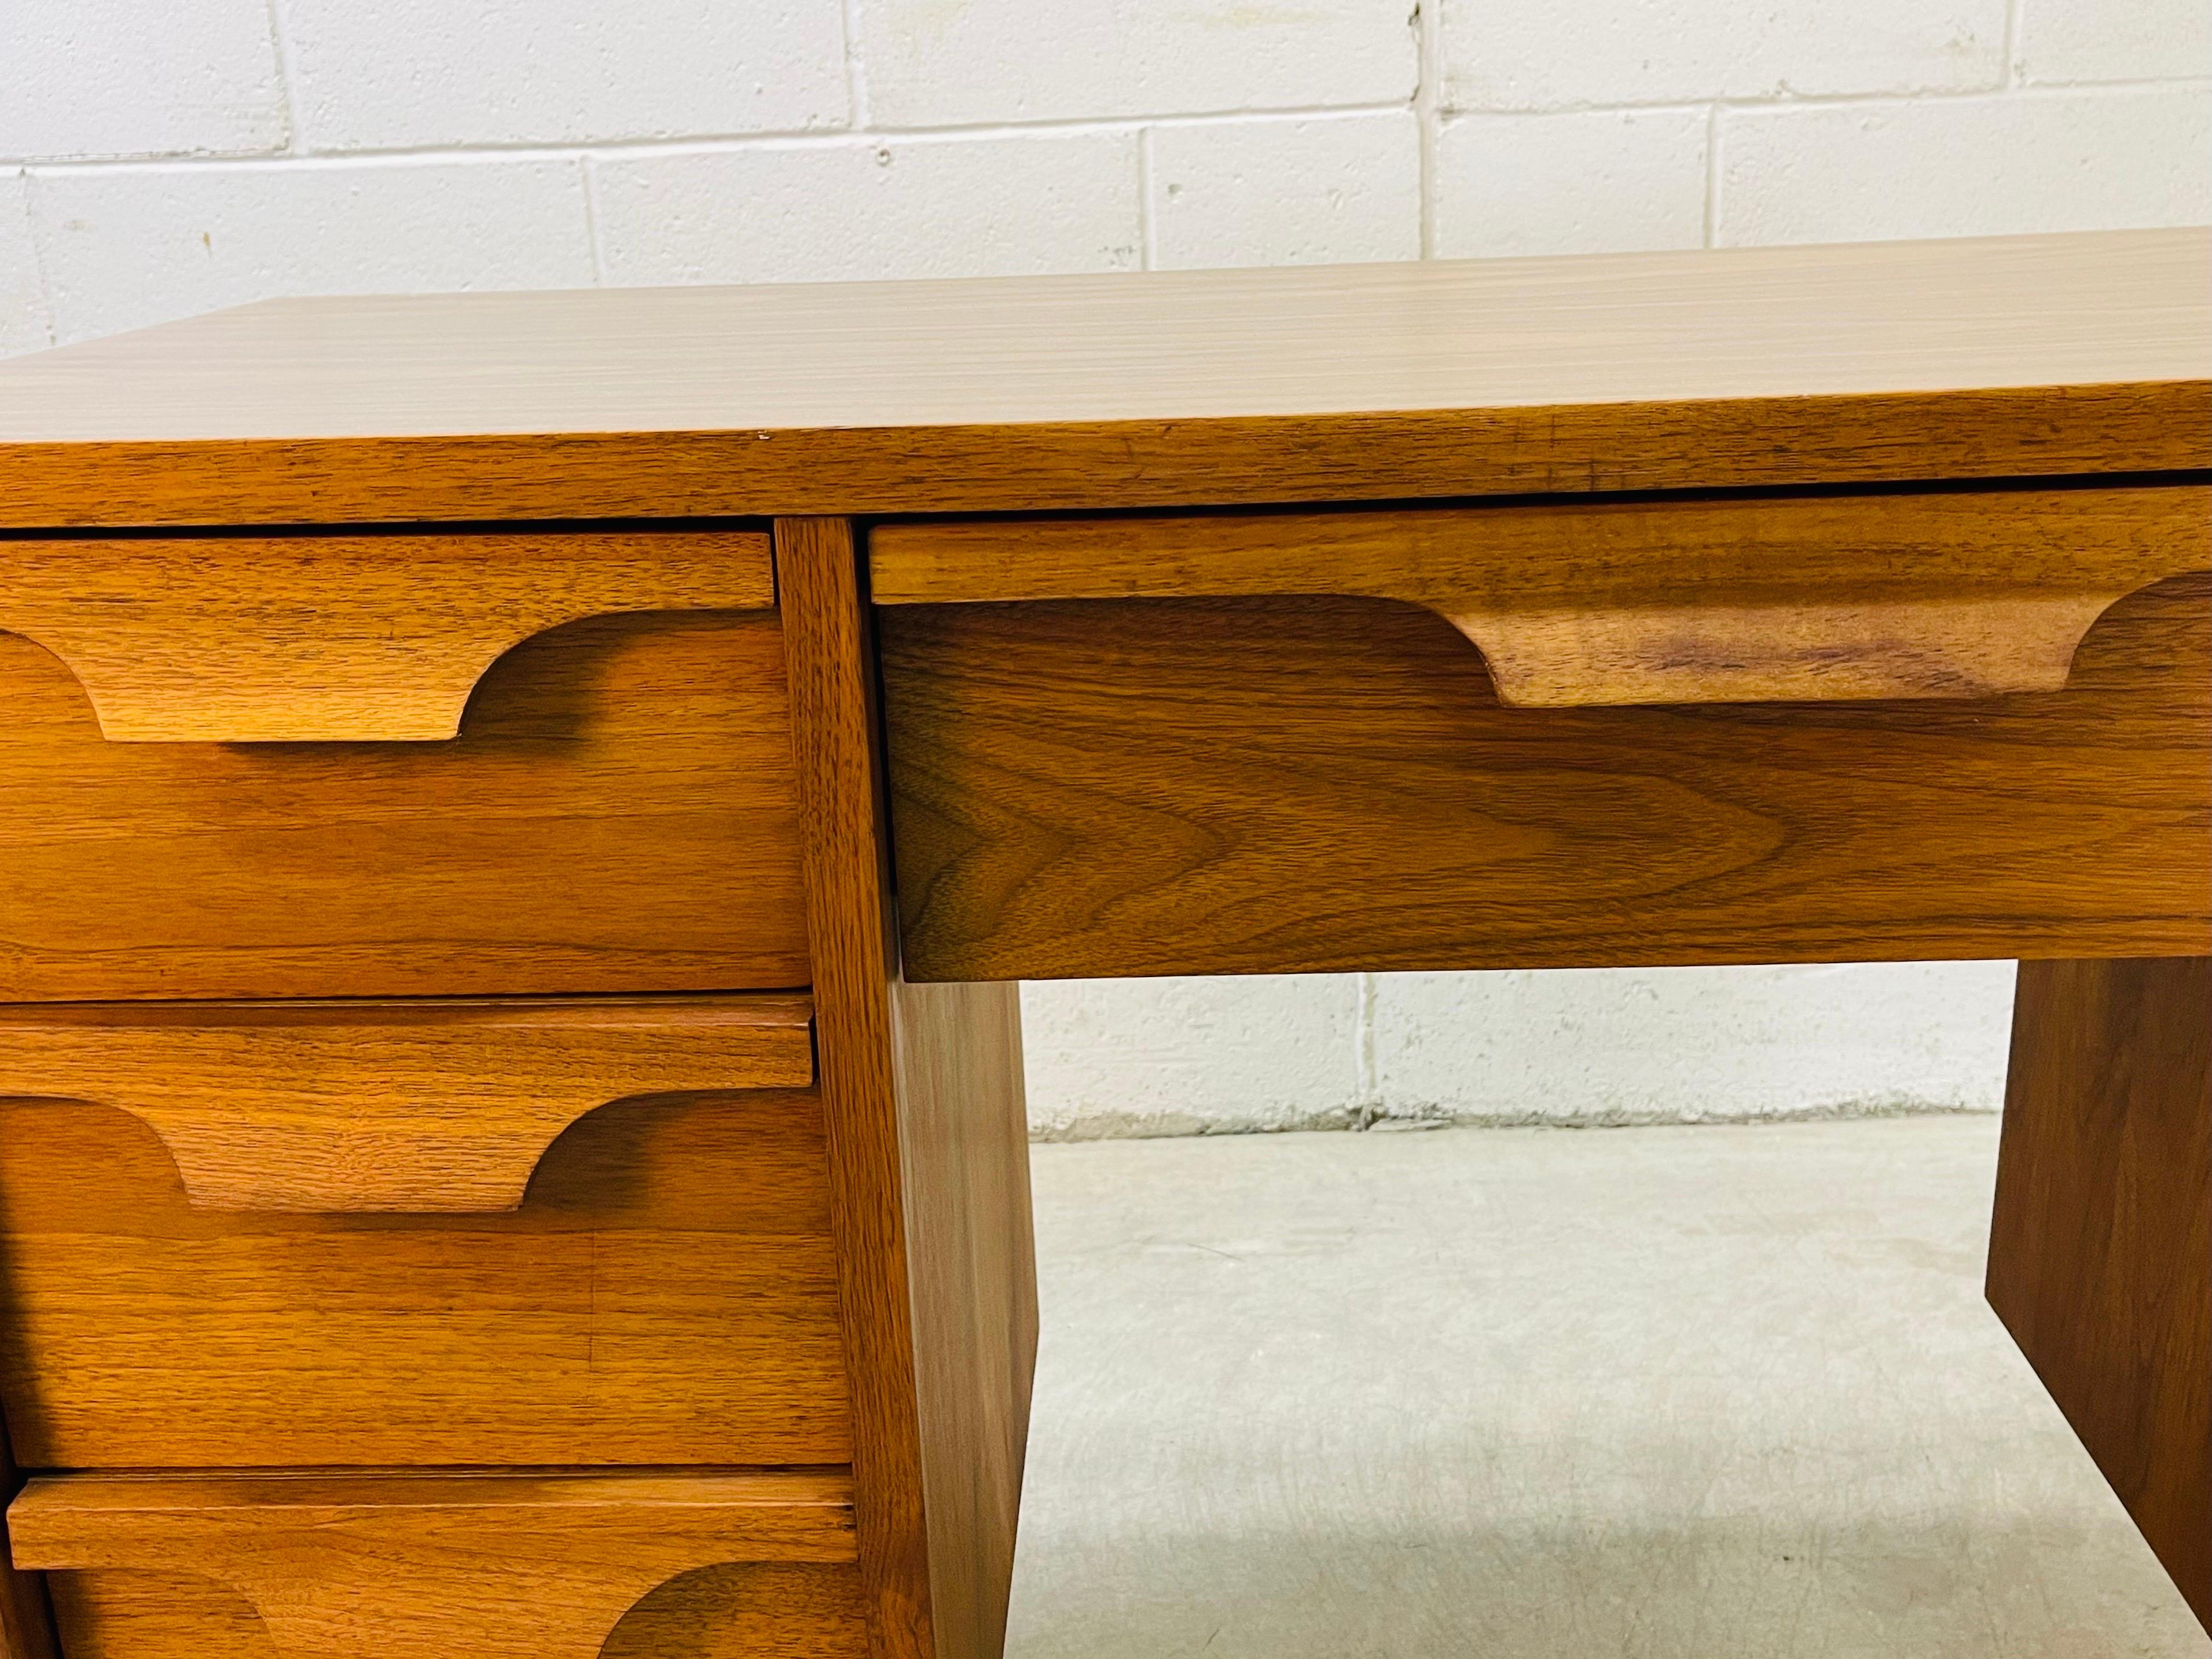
{"x":525,"y":811}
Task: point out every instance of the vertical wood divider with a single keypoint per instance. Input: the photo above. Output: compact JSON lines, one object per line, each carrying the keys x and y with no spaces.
{"x":928,"y":1141}
{"x":850,"y":923}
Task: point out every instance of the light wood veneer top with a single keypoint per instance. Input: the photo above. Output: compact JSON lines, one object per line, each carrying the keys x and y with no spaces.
{"x":1904,"y":359}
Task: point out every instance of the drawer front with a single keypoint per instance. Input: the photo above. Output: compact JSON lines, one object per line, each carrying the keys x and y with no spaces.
{"x":345,"y":638}
{"x":616,"y":813}
{"x":1317,"y":783}
{"x":1683,"y":600}
{"x":704,"y":1565}
{"x":368,"y":1105}
{"x":663,"y":1293}
{"x":777,"y":1610}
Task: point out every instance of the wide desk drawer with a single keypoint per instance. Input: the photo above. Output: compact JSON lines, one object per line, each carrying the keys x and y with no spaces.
{"x":531,"y":1233}
{"x":395,"y":765}
{"x":1747,"y":729}
{"x":706,"y":1564}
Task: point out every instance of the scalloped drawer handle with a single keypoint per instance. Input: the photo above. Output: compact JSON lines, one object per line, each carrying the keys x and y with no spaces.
{"x":496,"y":1566}
{"x":1583,"y":604}
{"x":290,"y":639}
{"x":415,"y":1106}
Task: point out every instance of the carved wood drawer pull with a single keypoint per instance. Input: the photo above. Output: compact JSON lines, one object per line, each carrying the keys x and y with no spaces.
{"x":499,"y":1566}
{"x":265,"y":639}
{"x":413,"y":1106}
{"x":1952,"y":594}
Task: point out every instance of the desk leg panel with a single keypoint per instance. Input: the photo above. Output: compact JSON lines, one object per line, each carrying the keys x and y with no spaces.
{"x":2101,"y":1252}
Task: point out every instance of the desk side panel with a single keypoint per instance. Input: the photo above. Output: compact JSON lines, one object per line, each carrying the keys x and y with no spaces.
{"x":2101,"y":1245}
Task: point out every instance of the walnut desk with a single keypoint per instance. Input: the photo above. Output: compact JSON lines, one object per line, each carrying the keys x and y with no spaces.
{"x":522,"y":813}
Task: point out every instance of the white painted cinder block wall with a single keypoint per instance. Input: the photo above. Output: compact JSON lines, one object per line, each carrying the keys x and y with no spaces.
{"x":162,"y":157}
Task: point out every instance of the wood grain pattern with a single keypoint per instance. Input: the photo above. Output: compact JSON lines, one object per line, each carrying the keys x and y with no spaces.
{"x":754,"y":1610}
{"x":929,"y":1164}
{"x":963,"y":1136}
{"x":284,"y":639}
{"x":1741,"y":600}
{"x":850,"y":922}
{"x":617,"y":816}
{"x":412,"y":1106}
{"x":146,"y":1615}
{"x":456,"y":1567}
{"x":666,"y":1294}
{"x":1308,"y":785}
{"x":2101,"y":1248}
{"x":1993,"y":358}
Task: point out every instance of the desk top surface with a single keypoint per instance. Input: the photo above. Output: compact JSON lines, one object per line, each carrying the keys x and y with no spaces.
{"x":1064,"y":374}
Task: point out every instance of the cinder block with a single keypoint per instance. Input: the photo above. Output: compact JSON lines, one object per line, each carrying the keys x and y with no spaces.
{"x":128,"y":245}
{"x":930,"y":62}
{"x":1665,"y":1045}
{"x":1273,"y":191}
{"x":86,"y":78}
{"x":1555,"y":54}
{"x":24,"y":325}
{"x":2099,"y":160}
{"x":419,"y":72}
{"x":849,"y":209}
{"x":1600,"y":181}
{"x":2113,"y":39}
{"x":1192,"y":1056}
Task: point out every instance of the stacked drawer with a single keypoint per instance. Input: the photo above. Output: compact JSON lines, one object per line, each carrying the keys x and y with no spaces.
{"x":414,"y":1209}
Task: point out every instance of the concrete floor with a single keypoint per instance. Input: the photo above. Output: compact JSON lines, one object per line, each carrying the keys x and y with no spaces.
{"x":1720,"y":1393}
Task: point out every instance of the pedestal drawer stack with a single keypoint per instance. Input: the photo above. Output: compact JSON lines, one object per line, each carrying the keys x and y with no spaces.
{"x":415,"y":1195}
